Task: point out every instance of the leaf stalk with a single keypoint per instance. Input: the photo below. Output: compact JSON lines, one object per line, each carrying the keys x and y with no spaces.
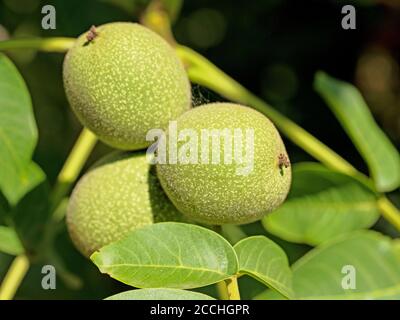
{"x":232,"y":288}
{"x":14,"y":277}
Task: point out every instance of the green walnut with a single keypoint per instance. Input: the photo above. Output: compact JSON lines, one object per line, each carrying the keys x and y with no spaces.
{"x":228,"y":165}
{"x":119,"y":194}
{"x":121,"y":80}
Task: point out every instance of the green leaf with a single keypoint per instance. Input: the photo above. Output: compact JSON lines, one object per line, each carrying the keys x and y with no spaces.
{"x":30,"y":217}
{"x":9,"y":241}
{"x":321,"y":205}
{"x":348,"y":105}
{"x":172,"y":255}
{"x":265,"y":261}
{"x":30,"y":176}
{"x":18,"y":134}
{"x":318,"y":274}
{"x":159,"y":294}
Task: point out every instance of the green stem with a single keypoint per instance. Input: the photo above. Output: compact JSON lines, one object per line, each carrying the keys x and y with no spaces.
{"x":227,"y":289}
{"x":222,"y":290}
{"x":73,"y":166}
{"x":14,"y":277}
{"x":42,"y":44}
{"x":389,"y":211}
{"x":232,"y":288}
{"x":157,"y":18}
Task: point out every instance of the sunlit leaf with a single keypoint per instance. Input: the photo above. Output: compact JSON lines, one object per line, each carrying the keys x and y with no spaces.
{"x":328,"y":271}
{"x":30,"y":176}
{"x":172,"y":255}
{"x":322,"y":204}
{"x":348,"y":105}
{"x":9,"y":241}
{"x":18,"y":135}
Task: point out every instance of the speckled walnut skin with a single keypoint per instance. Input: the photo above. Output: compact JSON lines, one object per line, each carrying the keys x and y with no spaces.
{"x":215,"y":193}
{"x":123,"y":82}
{"x":119,"y":194}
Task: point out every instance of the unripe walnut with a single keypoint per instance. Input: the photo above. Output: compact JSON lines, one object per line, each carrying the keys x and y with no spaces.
{"x":122,"y":80}
{"x":227,"y":193}
{"x":119,"y":194}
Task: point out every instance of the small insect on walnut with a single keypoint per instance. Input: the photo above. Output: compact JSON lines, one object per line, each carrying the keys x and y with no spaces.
{"x":92,"y":34}
{"x":283,"y":161}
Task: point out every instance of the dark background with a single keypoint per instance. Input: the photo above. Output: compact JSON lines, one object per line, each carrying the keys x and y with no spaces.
{"x":273,"y":47}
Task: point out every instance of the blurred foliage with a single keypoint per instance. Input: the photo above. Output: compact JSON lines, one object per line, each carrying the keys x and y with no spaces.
{"x":272,"y":47}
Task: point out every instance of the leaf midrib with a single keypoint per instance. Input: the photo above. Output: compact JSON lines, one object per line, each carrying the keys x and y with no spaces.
{"x":339,"y":205}
{"x":164,"y":266}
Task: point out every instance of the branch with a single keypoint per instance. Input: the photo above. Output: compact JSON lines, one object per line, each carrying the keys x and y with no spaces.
{"x":42,"y":44}
{"x":73,"y":166}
